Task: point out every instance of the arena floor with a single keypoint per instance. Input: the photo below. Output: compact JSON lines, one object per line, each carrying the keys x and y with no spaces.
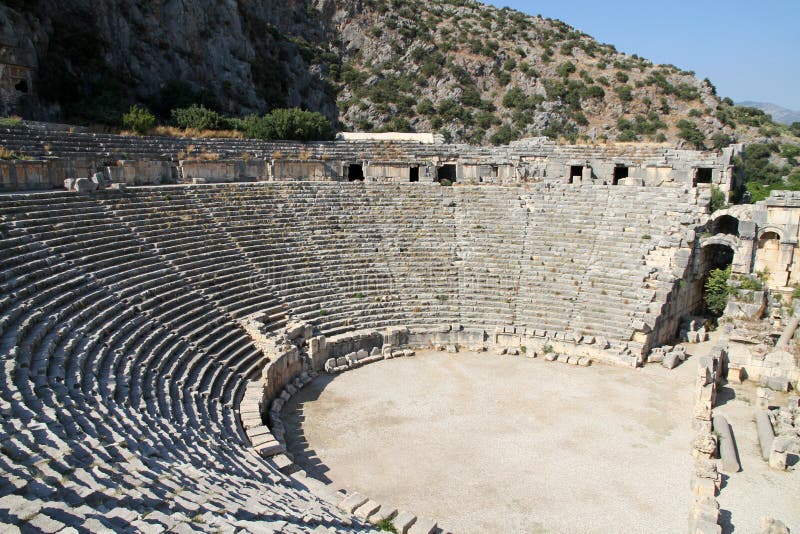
{"x":486,"y":443}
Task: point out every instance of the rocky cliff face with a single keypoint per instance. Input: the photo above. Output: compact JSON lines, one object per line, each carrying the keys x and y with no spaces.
{"x":471,"y":72}
{"x":91,"y":59}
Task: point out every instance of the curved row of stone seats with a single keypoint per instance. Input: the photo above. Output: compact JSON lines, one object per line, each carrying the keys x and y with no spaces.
{"x":186,"y":315}
{"x":490,"y":254}
{"x":186,"y":237}
{"x":101,"y":426}
{"x":324,"y":250}
{"x":78,"y":144}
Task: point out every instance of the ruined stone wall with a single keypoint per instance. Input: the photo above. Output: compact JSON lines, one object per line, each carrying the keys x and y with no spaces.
{"x":530,"y":161}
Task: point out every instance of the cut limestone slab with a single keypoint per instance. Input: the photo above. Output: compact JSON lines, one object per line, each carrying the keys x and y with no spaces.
{"x":351,"y":502}
{"x":423,"y":525}
{"x":367,"y":510}
{"x":404,"y":521}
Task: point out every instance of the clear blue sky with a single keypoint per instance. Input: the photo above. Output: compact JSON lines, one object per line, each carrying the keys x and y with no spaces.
{"x":749,"y":49}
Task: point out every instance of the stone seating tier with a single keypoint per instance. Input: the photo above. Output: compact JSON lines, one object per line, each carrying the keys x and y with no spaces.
{"x":123,"y":356}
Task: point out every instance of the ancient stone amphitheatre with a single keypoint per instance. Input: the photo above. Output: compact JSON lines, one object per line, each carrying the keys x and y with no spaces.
{"x":174,"y":334}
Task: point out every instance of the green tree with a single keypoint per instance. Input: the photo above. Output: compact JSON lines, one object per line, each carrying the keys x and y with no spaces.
{"x":689,"y":132}
{"x":200,"y":118}
{"x":289,"y":124}
{"x":139,"y":119}
{"x":721,"y":140}
{"x":717,"y":290}
{"x":718,"y":200}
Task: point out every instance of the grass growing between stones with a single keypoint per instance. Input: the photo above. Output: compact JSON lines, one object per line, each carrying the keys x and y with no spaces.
{"x":10,"y":121}
{"x":385,"y":525}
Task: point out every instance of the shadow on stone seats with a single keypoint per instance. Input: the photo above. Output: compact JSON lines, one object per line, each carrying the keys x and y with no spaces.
{"x":296,"y":441}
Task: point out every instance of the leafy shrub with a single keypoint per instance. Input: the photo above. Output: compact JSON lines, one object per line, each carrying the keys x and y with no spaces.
{"x":200,"y":118}
{"x":718,"y":200}
{"x":689,"y":132}
{"x":139,"y":119}
{"x":289,"y":124}
{"x":10,"y":121}
{"x":625,"y":93}
{"x":721,"y":140}
{"x":565,"y":69}
{"x":751,"y":284}
{"x":717,"y":290}
{"x":503,"y":136}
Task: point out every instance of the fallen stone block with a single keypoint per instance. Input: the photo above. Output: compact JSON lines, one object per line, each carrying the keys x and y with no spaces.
{"x":727,"y":450}
{"x":513,"y":351}
{"x":452,"y":349}
{"x":84,"y":185}
{"x":584,"y":361}
{"x":330,"y":364}
{"x":408,"y":352}
{"x":550,"y":357}
{"x":670,"y":360}
{"x":766,"y":435}
{"x":775,"y":383}
{"x":779,"y":453}
{"x":500,"y":351}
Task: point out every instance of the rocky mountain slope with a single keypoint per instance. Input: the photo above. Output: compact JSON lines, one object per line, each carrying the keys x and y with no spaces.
{"x":472,"y":72}
{"x":778,"y":113}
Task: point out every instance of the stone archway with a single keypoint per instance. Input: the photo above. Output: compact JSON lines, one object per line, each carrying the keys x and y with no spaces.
{"x":716,"y":253}
{"x":768,"y":254}
{"x":725,"y":224}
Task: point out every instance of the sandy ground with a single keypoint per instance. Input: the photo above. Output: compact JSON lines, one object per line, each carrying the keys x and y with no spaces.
{"x":756,"y":490}
{"x":486,"y":443}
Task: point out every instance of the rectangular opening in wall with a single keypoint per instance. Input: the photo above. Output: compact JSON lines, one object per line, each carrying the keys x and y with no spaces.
{"x":620,"y":172}
{"x":355,"y":172}
{"x":575,"y":172}
{"x":446,"y":173}
{"x":702,"y":175}
{"x":413,"y":174}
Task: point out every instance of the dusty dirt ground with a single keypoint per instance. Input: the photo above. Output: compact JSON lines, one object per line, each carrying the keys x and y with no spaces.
{"x":486,"y":443}
{"x":756,"y":490}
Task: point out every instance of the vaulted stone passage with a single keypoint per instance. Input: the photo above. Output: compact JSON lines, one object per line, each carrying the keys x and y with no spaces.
{"x":725,"y":224}
{"x":446,"y":172}
{"x":355,"y":172}
{"x":620,"y":172}
{"x":703,"y":175}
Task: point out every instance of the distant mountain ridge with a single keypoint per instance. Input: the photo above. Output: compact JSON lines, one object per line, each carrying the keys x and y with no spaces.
{"x":779,"y":114}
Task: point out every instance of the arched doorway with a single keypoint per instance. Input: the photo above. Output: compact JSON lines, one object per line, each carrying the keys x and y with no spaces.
{"x":716,"y":260}
{"x":768,"y":258}
{"x":725,"y":224}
